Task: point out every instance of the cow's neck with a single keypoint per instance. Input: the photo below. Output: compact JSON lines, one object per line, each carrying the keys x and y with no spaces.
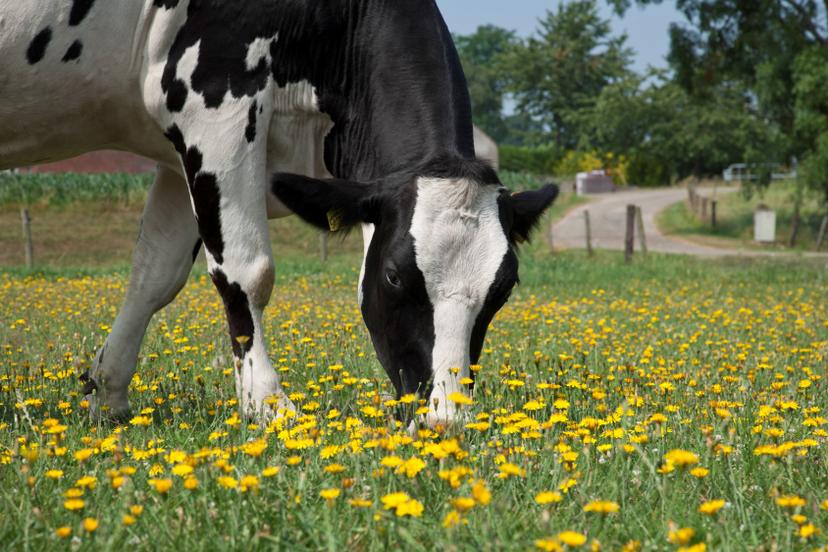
{"x":402,"y":98}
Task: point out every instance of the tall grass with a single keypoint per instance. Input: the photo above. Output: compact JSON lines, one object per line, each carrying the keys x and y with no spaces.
{"x":64,"y":188}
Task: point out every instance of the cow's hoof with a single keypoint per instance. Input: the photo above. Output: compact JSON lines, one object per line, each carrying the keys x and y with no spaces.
{"x":99,"y":413}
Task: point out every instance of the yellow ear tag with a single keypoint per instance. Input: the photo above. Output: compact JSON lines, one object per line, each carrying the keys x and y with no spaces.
{"x":334,"y":220}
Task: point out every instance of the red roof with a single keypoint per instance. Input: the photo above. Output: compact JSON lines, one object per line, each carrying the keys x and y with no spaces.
{"x":98,"y":162}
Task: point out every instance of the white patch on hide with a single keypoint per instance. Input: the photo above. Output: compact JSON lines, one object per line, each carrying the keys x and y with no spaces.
{"x":258,"y":49}
{"x":459,"y":246}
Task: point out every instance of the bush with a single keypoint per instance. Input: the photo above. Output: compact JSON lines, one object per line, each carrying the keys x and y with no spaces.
{"x":643,"y":170}
{"x":531,"y":159}
{"x":519,"y":181}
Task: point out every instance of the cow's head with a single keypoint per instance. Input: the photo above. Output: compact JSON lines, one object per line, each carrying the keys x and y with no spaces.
{"x":440,"y":261}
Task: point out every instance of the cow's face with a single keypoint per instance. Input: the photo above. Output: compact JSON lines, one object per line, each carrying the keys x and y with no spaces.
{"x":440,"y":261}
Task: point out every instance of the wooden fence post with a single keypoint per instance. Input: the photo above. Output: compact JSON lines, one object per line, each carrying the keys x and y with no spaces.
{"x":704,"y":202}
{"x":588,"y":232}
{"x":27,"y":236}
{"x":795,"y":224}
{"x":822,"y":231}
{"x":642,"y":238}
{"x":713,"y":207}
{"x":323,"y":246}
{"x":629,"y":237}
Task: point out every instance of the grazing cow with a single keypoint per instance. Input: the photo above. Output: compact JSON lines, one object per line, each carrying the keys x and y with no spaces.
{"x":234,"y":99}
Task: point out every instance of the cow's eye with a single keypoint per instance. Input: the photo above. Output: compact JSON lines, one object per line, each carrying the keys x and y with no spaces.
{"x":392,"y":278}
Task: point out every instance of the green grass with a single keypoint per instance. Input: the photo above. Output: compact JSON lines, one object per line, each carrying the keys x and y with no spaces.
{"x":592,"y":372}
{"x":735,"y":219}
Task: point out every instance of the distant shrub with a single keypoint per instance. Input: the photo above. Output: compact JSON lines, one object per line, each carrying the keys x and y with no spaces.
{"x":574,"y":162}
{"x":645,"y":170}
{"x":531,"y":159}
{"x":65,"y":188}
{"x":517,"y":181}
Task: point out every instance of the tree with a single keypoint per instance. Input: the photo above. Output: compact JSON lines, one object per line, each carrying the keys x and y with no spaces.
{"x":766,"y":48}
{"x":561,"y":72}
{"x":811,"y":115}
{"x":665,"y":133}
{"x":480,"y":54}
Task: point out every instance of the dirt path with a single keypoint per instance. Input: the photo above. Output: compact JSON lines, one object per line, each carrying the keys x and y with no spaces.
{"x":608,"y":216}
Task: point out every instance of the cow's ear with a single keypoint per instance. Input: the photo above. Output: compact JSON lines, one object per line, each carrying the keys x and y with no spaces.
{"x":330,"y":204}
{"x":527,"y":208}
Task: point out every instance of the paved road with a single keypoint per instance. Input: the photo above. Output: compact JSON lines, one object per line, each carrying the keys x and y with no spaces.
{"x":608,"y":215}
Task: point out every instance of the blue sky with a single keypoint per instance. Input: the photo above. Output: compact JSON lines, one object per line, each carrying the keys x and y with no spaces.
{"x":646,"y":28}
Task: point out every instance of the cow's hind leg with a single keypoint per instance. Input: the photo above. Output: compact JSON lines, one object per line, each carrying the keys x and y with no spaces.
{"x":167,"y":244}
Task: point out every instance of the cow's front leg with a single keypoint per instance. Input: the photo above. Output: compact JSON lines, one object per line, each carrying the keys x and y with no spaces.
{"x":229,"y":198}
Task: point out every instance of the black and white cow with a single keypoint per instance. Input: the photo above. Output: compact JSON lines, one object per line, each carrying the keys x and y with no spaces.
{"x":234,"y":99}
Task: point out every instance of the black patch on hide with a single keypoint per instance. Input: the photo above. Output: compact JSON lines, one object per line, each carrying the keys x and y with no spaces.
{"x":80,"y":9}
{"x":73,"y":52}
{"x":250,"y":129}
{"x":37,"y":47}
{"x":239,"y":319}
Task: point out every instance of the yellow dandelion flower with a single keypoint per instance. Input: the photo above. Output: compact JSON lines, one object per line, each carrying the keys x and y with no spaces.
{"x":270,"y":471}
{"x":90,"y":524}
{"x":790,"y":501}
{"x":73,"y":504}
{"x":807,"y":531}
{"x":508,"y":470}
{"x":699,"y":472}
{"x":711,"y":507}
{"x":249,"y":483}
{"x":681,"y":536}
{"x":481,"y":493}
{"x":227,"y":482}
{"x":681,"y":458}
{"x":452,"y":519}
{"x":161,"y":486}
{"x":63,"y":532}
{"x":460,"y":399}
{"x":572,"y":538}
{"x":548,"y":545}
{"x":602,"y":507}
{"x":393,"y":500}
{"x":182,"y":470}
{"x":463,"y":504}
{"x":330,"y":494}
{"x":548,"y":497}
{"x":413,"y":508}
{"x":128,"y":520}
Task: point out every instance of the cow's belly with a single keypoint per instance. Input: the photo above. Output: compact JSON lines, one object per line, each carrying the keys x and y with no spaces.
{"x":67,"y":89}
{"x":296,"y":138}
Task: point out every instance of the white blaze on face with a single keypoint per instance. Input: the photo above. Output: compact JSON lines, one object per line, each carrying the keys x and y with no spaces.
{"x":367,"y":235}
{"x":459,"y":245}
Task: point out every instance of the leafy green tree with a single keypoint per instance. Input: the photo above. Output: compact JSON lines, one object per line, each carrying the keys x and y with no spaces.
{"x":767,"y":48}
{"x":811,"y":115}
{"x":666,"y":133}
{"x":480,"y":54}
{"x":560,"y":72}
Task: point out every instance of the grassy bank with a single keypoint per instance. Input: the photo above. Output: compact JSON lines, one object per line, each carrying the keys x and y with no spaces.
{"x":734,"y":227}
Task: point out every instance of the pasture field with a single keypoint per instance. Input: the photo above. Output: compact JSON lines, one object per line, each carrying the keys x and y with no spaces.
{"x":666,"y":405}
{"x":671,"y":404}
